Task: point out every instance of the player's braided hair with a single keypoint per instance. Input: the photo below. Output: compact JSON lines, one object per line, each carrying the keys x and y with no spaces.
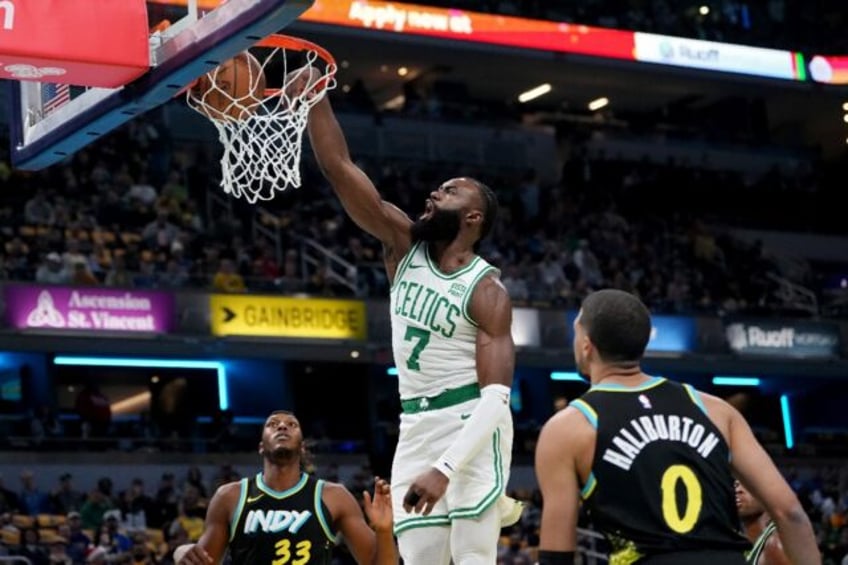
{"x":490,"y":208}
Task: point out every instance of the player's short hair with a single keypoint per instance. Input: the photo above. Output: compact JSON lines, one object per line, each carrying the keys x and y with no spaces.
{"x":618,"y":325}
{"x":307,"y":459}
{"x":490,"y":208}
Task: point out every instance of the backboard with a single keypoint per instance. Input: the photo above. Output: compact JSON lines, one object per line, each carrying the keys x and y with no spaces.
{"x":50,"y":120}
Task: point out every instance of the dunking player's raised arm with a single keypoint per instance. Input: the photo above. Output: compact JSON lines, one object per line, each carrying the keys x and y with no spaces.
{"x":360,"y":198}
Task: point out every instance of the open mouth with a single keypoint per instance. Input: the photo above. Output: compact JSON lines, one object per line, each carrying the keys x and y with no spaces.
{"x":428,"y":208}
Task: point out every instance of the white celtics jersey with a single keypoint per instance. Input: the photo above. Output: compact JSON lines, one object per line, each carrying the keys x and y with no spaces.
{"x":433,"y":335}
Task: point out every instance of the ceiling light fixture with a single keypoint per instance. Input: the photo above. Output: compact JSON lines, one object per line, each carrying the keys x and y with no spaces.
{"x":535,"y":92}
{"x":599,"y":103}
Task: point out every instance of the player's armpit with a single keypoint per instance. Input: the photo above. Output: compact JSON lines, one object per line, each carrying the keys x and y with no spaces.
{"x":216,"y":530}
{"x":357,"y":193}
{"x":491,"y":309}
{"x":556,"y":472}
{"x":773,"y":553}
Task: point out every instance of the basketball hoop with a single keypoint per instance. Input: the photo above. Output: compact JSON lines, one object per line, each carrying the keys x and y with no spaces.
{"x":261,"y":130}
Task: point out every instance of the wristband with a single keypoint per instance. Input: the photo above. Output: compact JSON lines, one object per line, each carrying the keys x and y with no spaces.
{"x":444,"y":468}
{"x":556,"y":557}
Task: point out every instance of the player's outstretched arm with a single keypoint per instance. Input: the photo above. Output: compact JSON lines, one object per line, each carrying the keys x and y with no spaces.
{"x":357,"y":193}
{"x":369,"y":546}
{"x":212,"y":544}
{"x":755,"y":469}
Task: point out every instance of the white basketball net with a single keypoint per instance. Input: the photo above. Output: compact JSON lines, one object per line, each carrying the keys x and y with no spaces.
{"x":262,"y":134}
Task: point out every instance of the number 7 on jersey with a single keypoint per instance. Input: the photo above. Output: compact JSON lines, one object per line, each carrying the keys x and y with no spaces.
{"x":422,"y":338}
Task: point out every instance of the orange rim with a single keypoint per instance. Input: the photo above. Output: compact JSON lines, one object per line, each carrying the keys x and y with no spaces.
{"x":298,"y":44}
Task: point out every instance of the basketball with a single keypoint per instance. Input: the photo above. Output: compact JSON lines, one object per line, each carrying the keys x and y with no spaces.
{"x":232,"y":90}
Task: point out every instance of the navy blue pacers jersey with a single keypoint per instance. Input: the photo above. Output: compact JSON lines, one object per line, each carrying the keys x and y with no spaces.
{"x":291,"y":527}
{"x":660,"y":481}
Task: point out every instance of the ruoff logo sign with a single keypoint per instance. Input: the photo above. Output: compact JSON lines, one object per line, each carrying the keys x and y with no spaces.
{"x":742,"y":337}
{"x":797,"y":340}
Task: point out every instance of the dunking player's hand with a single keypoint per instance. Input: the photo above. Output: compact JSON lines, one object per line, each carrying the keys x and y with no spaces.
{"x":426,"y":490}
{"x":378,"y":508}
{"x":191,"y":555}
{"x":300,"y":79}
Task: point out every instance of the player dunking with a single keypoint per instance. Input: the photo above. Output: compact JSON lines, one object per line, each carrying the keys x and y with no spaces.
{"x":760,"y":530}
{"x":652,"y":459}
{"x":286,"y":516}
{"x":453,"y":349}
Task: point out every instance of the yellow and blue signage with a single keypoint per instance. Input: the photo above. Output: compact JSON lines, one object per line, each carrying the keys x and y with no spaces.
{"x":272,"y":316}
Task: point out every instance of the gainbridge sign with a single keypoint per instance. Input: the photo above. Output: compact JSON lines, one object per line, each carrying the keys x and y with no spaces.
{"x":271,"y":316}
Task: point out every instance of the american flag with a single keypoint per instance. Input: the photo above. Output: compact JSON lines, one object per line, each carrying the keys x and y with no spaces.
{"x":54,"y":96}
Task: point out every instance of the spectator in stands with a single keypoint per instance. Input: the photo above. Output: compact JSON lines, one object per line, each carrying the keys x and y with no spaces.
{"x":175,"y":188}
{"x":99,"y":258}
{"x":94,"y":410}
{"x":174,"y":276}
{"x":78,"y":541}
{"x":9,"y":501}
{"x":97,"y":555}
{"x":175,"y":535}
{"x":4,"y":273}
{"x":142,"y":191}
{"x":514,"y":553}
{"x":93,"y":509}
{"x":33,"y":500}
{"x":146,"y":276}
{"x":194,"y":477}
{"x":72,"y":254}
{"x":160,"y":233}
{"x":192,"y":512}
{"x":52,"y":271}
{"x":31,"y":547}
{"x":17,"y":259}
{"x":43,"y":425}
{"x":227,"y":279}
{"x":58,"y":551}
{"x":114,"y":548}
{"x":290,"y":282}
{"x":37,"y":211}
{"x":142,"y":552}
{"x":165,"y":502}
{"x":135,"y":506}
{"x":111,"y":527}
{"x":118,"y":275}
{"x":82,"y":276}
{"x":515,"y":284}
{"x":66,"y":498}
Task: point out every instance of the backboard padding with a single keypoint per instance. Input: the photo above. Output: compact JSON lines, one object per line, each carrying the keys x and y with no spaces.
{"x":220,"y":35}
